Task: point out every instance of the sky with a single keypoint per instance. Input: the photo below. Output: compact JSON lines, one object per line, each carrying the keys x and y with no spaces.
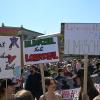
{"x":46,"y":16}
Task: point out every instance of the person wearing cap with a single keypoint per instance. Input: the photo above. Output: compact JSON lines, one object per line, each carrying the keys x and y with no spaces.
{"x":91,"y":90}
{"x":33,"y":83}
{"x":68,"y":70}
{"x":10,"y":90}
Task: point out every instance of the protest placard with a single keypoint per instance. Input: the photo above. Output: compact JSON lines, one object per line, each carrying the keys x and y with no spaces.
{"x":82,"y":38}
{"x":73,"y":94}
{"x":41,"y":51}
{"x":9,"y":56}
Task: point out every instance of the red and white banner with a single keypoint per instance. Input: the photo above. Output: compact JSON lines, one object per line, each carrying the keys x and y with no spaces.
{"x":43,"y":50}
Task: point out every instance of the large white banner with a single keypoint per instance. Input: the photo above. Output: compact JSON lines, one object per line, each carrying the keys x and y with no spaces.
{"x":43,"y":50}
{"x":82,"y":38}
{"x":10,"y":56}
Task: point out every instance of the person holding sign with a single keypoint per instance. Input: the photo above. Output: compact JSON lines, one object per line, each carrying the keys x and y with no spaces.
{"x":33,"y":83}
{"x":50,"y":94}
{"x":6,"y":92}
{"x":91,"y":90}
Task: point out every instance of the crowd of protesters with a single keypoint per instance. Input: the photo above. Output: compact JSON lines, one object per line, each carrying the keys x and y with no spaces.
{"x":66,"y":75}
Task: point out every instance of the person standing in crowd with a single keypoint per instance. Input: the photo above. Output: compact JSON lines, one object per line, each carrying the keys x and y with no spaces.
{"x":33,"y":83}
{"x":50,"y":94}
{"x":59,"y":78}
{"x":23,"y":95}
{"x":7,"y":93}
{"x":91,"y":90}
{"x":78,"y":65}
{"x":68,"y":70}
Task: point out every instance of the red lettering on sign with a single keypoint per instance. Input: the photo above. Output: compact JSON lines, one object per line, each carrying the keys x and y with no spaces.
{"x":43,"y":56}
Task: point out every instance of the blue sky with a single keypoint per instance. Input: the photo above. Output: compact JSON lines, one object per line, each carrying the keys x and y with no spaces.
{"x":46,"y":16}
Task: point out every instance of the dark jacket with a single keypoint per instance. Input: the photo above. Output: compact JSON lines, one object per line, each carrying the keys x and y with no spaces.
{"x":33,"y":84}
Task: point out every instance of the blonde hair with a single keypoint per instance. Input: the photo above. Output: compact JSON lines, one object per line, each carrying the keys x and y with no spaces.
{"x":97,"y":97}
{"x":23,"y":95}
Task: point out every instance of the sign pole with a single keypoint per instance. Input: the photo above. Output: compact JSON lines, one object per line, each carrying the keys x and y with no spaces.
{"x":85,"y":74}
{"x":42,"y":76}
{"x":6,"y":90}
{"x":20,"y":33}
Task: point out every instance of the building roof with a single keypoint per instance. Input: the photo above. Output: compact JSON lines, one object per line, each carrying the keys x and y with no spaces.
{"x":14,"y":30}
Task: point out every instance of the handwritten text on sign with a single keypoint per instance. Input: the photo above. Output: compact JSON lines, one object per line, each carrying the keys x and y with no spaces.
{"x":9,"y":55}
{"x":82,"y":39}
{"x":41,"y":51}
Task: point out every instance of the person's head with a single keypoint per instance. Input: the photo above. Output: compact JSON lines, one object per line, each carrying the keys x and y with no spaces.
{"x":33,"y":69}
{"x":60,"y":71}
{"x":9,"y":90}
{"x":97,"y":97}
{"x":69,"y":67}
{"x":50,"y":84}
{"x":23,"y":95}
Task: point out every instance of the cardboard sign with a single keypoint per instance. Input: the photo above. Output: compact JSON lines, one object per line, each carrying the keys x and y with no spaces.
{"x":9,"y":55}
{"x":41,"y":51}
{"x":82,"y":39}
{"x":73,"y":94}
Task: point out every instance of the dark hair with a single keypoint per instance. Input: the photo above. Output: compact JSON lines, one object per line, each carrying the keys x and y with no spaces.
{"x":48,"y":81}
{"x":60,"y":70}
{"x":91,"y":90}
{"x":33,"y":66}
{"x":23,"y":95}
{"x":98,"y":65}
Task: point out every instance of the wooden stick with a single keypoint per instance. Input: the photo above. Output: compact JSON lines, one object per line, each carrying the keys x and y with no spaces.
{"x":6,"y":90}
{"x":43,"y":80}
{"x":85,"y":74}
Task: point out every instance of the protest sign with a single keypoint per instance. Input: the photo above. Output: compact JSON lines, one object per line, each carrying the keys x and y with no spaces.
{"x":82,"y":38}
{"x":73,"y":94}
{"x":9,"y":55}
{"x":41,"y":51}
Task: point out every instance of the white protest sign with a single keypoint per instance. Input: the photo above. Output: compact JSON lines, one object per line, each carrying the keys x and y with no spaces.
{"x":73,"y":94}
{"x":82,"y":39}
{"x":41,"y":51}
{"x":9,"y":55}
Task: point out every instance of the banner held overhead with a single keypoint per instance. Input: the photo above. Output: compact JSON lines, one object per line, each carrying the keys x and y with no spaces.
{"x":82,"y":38}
